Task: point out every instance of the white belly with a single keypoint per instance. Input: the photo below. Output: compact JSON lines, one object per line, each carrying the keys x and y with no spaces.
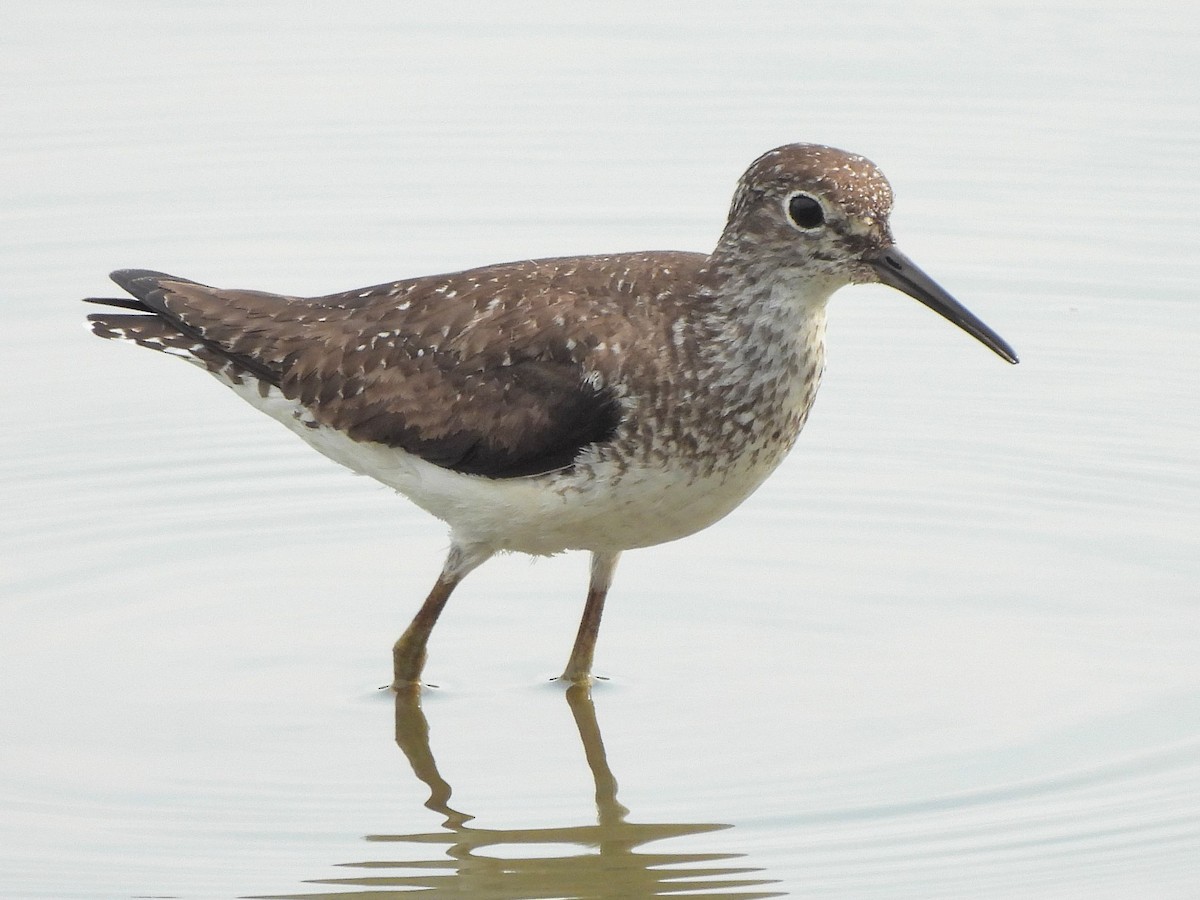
{"x":592,"y":507}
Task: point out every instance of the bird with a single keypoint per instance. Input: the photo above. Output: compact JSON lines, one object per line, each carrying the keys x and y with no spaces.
{"x":599,"y":403}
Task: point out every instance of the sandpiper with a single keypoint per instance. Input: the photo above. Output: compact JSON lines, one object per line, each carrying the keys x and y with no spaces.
{"x":596,"y":403}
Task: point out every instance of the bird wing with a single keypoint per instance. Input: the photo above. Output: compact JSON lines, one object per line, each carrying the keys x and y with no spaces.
{"x":470,"y":375}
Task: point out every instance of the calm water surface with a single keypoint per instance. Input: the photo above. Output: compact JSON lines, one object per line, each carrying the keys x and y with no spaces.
{"x":950,"y":650}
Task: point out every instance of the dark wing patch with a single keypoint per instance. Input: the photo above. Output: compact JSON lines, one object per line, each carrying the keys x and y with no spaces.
{"x":401,"y":365}
{"x":524,"y":419}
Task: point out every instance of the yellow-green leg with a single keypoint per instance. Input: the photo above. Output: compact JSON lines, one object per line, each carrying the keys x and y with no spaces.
{"x":579,"y":666}
{"x":408,"y":653}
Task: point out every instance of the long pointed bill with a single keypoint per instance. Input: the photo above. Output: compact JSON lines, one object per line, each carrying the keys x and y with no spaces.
{"x":898,"y":271}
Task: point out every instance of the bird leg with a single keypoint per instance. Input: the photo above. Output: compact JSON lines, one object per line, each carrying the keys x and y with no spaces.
{"x":579,"y":666}
{"x":408,"y":653}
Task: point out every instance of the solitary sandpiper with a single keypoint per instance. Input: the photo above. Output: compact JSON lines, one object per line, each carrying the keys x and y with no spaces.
{"x":594,"y":403}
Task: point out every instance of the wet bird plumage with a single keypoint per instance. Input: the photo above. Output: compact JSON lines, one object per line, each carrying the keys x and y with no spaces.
{"x":596,"y":403}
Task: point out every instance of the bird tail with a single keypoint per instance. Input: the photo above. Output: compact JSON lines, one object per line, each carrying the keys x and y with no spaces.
{"x":149,"y":325}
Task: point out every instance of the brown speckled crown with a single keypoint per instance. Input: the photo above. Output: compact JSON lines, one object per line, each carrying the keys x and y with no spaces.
{"x":852,"y":182}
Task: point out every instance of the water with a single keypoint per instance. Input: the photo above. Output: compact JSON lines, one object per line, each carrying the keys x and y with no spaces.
{"x":950,"y":650}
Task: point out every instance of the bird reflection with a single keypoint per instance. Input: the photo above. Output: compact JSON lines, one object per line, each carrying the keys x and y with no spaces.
{"x":585,"y":861}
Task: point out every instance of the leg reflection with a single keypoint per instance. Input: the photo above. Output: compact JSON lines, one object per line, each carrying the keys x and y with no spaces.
{"x":412,"y":737}
{"x":606,"y":859}
{"x":608,"y":811}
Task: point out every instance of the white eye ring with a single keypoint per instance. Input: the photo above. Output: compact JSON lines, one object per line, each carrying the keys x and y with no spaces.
{"x":804,"y":211}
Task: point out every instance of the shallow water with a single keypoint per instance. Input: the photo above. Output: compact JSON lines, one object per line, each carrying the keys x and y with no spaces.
{"x":950,"y":649}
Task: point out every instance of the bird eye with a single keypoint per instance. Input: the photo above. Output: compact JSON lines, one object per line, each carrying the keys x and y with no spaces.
{"x":805,"y":211}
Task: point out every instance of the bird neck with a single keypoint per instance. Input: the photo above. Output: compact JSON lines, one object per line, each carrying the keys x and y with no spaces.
{"x":767,"y":334}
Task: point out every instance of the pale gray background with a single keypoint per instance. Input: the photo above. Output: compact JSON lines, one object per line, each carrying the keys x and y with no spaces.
{"x":950,"y":649}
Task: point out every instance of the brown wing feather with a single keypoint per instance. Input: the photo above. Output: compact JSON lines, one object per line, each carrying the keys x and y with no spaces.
{"x":413,"y":364}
